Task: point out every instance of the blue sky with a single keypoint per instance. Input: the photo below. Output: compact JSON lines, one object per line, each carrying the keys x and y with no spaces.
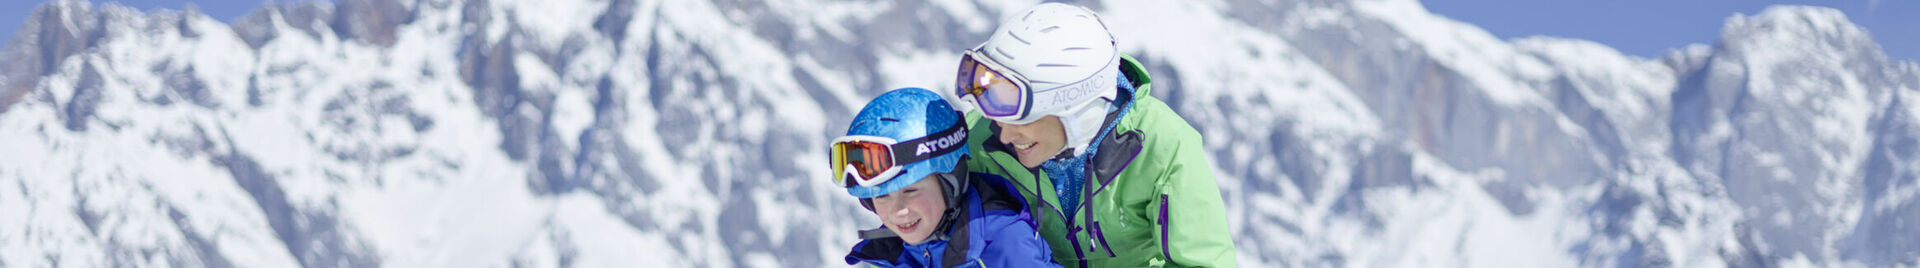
{"x":13,"y":13}
{"x":1648,"y":28}
{"x":1645,"y":28}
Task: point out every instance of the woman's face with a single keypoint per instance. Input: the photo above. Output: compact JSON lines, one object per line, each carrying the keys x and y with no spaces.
{"x":912,"y":212}
{"x":1034,"y":143}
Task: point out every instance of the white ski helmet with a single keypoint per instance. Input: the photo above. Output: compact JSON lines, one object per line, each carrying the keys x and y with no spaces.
{"x":1070,"y":62}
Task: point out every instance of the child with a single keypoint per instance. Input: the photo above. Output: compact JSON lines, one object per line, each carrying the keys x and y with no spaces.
{"x":904,"y":156}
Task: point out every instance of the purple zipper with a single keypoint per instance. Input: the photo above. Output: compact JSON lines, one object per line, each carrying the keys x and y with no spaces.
{"x":1073,"y":235}
{"x":1103,"y":239}
{"x":1086,"y":206}
{"x":1165,"y":249}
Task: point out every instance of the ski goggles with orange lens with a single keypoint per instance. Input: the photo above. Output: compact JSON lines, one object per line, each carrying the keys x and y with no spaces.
{"x":996,"y":91}
{"x":871,"y":160}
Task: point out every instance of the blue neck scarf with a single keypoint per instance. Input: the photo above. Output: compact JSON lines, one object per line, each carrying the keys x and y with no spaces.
{"x":1071,"y":173}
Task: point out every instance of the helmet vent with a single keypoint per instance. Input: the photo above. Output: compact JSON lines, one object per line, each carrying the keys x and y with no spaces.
{"x":1056,"y":65}
{"x":889,"y":119}
{"x":1075,"y":48}
{"x":1049,"y":29}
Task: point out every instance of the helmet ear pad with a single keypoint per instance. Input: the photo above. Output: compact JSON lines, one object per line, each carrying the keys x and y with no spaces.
{"x":954,"y":184}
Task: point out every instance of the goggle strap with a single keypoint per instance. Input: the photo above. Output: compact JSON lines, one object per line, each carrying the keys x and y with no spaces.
{"x":941,"y":143}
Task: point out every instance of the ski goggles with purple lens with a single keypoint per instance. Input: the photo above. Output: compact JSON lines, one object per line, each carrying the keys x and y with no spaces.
{"x":998,"y":93}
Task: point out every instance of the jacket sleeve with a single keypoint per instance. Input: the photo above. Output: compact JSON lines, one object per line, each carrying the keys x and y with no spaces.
{"x":1191,"y":221}
{"x":1016,"y":244}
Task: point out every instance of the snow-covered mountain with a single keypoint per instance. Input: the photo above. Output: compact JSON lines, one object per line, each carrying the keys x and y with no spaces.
{"x":640,"y":133}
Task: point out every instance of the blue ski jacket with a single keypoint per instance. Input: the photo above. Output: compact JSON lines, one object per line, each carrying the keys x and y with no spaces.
{"x":997,"y":232}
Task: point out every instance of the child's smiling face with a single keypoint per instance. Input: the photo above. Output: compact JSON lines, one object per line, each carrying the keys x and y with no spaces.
{"x":912,"y":212}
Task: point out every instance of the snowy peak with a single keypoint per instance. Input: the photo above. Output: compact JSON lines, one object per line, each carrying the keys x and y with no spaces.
{"x":53,"y":31}
{"x":1785,"y":100}
{"x":1787,"y":54}
{"x":58,"y":31}
{"x":275,"y":19}
{"x":1793,"y":53}
{"x":1797,"y":29}
{"x":372,"y":21}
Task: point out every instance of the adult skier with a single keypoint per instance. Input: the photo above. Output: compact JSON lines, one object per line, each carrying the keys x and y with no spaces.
{"x":1115,"y":177}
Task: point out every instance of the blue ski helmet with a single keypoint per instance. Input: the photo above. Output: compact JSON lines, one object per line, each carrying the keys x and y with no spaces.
{"x":906,"y":114}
